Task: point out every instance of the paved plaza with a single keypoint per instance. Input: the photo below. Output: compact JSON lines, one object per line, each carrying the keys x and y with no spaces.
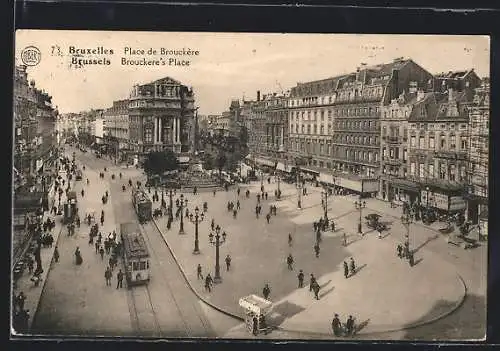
{"x":441,"y":297}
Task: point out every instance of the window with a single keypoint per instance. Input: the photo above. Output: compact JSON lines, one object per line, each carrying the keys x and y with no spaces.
{"x":321,"y":149}
{"x":413,"y":142}
{"x":376,"y":157}
{"x":148,"y":135}
{"x":442,"y":141}
{"x":303,"y":129}
{"x":453,"y":141}
{"x":322,"y":115}
{"x":431,"y":170}
{"x":463,"y":142}
{"x":431,"y":143}
{"x":442,"y":171}
{"x":384,"y":152}
{"x":421,"y":172}
{"x":412,"y":168}
{"x":142,"y":265}
{"x":421,"y":142}
{"x":405,"y":154}
{"x":308,"y":129}
{"x":322,"y":130}
{"x":384,"y":131}
{"x":453,"y":172}
{"x":315,"y":129}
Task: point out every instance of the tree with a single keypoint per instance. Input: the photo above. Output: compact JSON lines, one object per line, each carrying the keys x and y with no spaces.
{"x":209,"y":162}
{"x":220,"y":162}
{"x":158,"y":162}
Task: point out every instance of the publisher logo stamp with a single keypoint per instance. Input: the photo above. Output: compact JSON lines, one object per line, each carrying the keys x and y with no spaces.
{"x":31,"y":56}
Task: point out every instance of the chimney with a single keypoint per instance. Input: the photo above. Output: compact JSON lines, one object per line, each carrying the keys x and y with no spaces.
{"x":420,"y":94}
{"x":258,"y":95}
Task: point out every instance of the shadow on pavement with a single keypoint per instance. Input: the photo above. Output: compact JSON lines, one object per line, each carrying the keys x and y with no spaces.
{"x":418,"y":261}
{"x":465,"y":323}
{"x":283,"y":311}
{"x":428,"y":240}
{"x":323,"y":294}
{"x":386,"y":235}
{"x":360,"y":326}
{"x":325,"y":284}
{"x":358,"y":269}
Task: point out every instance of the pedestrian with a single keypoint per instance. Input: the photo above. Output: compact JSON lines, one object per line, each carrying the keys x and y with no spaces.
{"x":344,"y":239}
{"x":266,"y":195}
{"x":316,"y":289}
{"x":352,"y":266}
{"x":101,"y":252}
{"x":333,"y":226}
{"x":346,"y":270}
{"x":316,"y":249}
{"x":266,"y":291}
{"x":30,"y":265}
{"x":349,"y":326}
{"x":290,"y":240}
{"x":107,"y":276}
{"x":399,"y":248}
{"x":56,"y":255}
{"x":255,"y":325}
{"x":198,"y":270}
{"x":212,"y":224}
{"x":300,"y":276}
{"x":228,"y":262}
{"x":119,"y":278}
{"x":215,"y":192}
{"x":411,"y":259}
{"x":208,"y":283}
{"x":379,"y":233}
{"x":238,"y":204}
{"x":289,"y":261}
{"x":268,"y":218}
{"x":97,"y":245}
{"x":20,"y":299}
{"x":238,"y":191}
{"x":336,"y":325}
{"x":312,"y":281}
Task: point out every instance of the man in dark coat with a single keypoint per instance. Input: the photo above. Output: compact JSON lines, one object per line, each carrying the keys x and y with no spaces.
{"x":346,"y":270}
{"x":266,"y":291}
{"x":316,"y":288}
{"x":208,"y":282}
{"x":300,"y":276}
{"x":312,"y":281}
{"x":119,"y":277}
{"x":228,"y":262}
{"x":198,"y":270}
{"x":336,"y":325}
{"x":316,"y":249}
{"x":289,"y":262}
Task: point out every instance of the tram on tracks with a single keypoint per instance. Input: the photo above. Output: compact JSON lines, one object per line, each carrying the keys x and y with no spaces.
{"x":135,"y":254}
{"x":142,"y":204}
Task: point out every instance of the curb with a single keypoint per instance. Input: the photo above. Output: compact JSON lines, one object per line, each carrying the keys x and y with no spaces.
{"x":374,"y":332}
{"x":405,"y":327}
{"x":227,"y":313}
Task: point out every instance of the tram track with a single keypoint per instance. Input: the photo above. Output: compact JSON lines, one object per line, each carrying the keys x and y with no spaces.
{"x":142,"y":293}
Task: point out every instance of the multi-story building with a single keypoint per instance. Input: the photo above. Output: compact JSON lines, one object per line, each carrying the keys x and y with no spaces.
{"x":161,"y":117}
{"x":276,"y":114}
{"x":257,"y":127}
{"x":116,"y":120}
{"x":437,"y":150}
{"x":335,"y":123}
{"x":479,"y":114}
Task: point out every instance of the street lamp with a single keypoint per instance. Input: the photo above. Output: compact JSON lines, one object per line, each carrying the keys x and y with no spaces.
{"x":196,"y":219}
{"x":170,"y":213}
{"x":359,"y":205}
{"x":299,"y":190}
{"x":407,"y":220}
{"x":181,"y":205}
{"x":325,"y":204}
{"x":219,"y":240}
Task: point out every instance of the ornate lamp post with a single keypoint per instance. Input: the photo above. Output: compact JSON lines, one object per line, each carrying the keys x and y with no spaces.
{"x":171,"y":204}
{"x":299,"y":190}
{"x":324,"y":193}
{"x":359,"y":205}
{"x":407,"y":220}
{"x":219,"y":240}
{"x":196,"y":219}
{"x":181,"y":206}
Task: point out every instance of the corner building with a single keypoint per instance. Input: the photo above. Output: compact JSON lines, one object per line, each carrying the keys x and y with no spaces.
{"x":161,"y":117}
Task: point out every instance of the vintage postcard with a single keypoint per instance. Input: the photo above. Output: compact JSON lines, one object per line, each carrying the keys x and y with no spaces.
{"x":265,"y":186}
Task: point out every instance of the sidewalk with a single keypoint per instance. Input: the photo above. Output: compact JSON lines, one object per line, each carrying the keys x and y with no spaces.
{"x":370,"y":295}
{"x":24,"y":283}
{"x":76,"y":300}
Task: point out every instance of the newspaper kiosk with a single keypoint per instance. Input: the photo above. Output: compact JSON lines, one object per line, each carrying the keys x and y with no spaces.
{"x":256,"y":307}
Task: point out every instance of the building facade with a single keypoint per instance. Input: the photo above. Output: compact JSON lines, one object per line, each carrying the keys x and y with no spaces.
{"x":161,"y":117}
{"x":478,"y":170}
{"x":276,"y":125}
{"x":116,"y":121}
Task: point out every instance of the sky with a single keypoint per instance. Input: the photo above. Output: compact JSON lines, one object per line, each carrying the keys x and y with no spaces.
{"x":228,"y":65}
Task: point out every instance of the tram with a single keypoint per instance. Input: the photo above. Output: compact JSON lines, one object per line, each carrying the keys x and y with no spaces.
{"x":135,"y":254}
{"x":142,"y":204}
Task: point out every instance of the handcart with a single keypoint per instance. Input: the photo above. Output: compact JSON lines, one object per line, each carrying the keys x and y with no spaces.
{"x":256,"y":308}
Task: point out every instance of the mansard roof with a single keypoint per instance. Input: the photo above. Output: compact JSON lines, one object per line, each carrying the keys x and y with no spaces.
{"x":166,"y":80}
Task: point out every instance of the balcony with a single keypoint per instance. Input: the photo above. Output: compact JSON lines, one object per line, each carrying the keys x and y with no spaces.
{"x":452,"y":155}
{"x":392,"y":161}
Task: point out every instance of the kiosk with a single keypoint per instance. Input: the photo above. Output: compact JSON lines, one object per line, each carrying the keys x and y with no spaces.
{"x":256,"y":307}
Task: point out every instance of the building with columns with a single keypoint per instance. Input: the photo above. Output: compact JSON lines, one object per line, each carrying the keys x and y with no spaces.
{"x":161,"y":117}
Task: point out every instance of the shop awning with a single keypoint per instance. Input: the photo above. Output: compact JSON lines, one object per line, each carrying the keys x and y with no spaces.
{"x":265,"y":162}
{"x":406,"y":185}
{"x":308,"y":170}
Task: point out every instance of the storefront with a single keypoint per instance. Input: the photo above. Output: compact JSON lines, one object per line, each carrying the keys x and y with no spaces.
{"x":399,"y":191}
{"x":350,"y":183}
{"x":450,"y":203}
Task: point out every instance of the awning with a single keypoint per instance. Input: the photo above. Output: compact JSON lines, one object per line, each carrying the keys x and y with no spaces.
{"x":307,"y":170}
{"x":280,"y":166}
{"x":265,"y":162}
{"x":405,"y":185}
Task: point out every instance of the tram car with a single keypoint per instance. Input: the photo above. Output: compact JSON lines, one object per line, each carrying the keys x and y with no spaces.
{"x":142,"y":204}
{"x":135,"y":254}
